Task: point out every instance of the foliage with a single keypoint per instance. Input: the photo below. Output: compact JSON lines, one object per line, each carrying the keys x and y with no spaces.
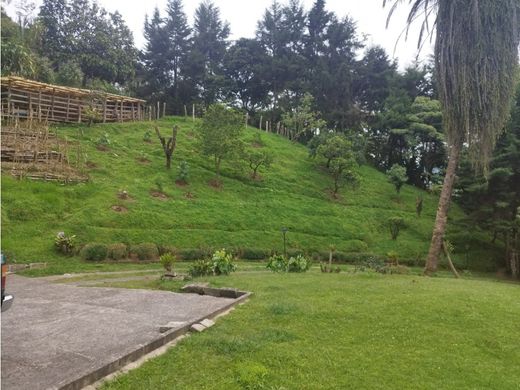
{"x":397,"y":176}
{"x":223,"y":263}
{"x":298,"y":264}
{"x":147,"y":136}
{"x":94,"y":252}
{"x":257,"y":159}
{"x":103,"y":140}
{"x":395,"y":224}
{"x":184,"y":170}
{"x":220,"y":132}
{"x":117,"y":251}
{"x":145,"y":251}
{"x":277,"y":263}
{"x":302,"y":121}
{"x":167,"y":260}
{"x":201,"y":268}
{"x":93,"y":116}
{"x":64,"y":244}
{"x":69,"y":74}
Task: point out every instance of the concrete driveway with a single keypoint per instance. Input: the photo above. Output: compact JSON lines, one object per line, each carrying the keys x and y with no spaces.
{"x":60,"y":336}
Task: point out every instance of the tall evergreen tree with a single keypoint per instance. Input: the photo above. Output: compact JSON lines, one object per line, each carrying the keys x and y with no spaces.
{"x":210,"y":34}
{"x":178,"y":32}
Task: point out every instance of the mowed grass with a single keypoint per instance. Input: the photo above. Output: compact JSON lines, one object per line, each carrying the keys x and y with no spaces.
{"x":347,"y":331}
{"x":243,"y":213}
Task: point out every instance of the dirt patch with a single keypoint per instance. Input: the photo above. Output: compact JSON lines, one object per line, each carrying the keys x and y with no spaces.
{"x":256,"y":145}
{"x":91,"y":165}
{"x":102,"y":148}
{"x":189,"y":195}
{"x":119,"y":209}
{"x":181,"y":183}
{"x":124,"y":195}
{"x":217,"y":184}
{"x":142,"y":160}
{"x":159,"y":195}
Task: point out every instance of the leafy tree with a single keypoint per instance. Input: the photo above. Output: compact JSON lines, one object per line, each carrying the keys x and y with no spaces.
{"x":475,"y":99}
{"x":303,"y":121}
{"x":244,"y":67}
{"x":397,"y":176}
{"x":340,"y":161}
{"x":256,"y":159}
{"x":220,"y":132}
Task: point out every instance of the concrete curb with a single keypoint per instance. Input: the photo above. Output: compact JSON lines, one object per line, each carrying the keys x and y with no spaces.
{"x":164,"y":338}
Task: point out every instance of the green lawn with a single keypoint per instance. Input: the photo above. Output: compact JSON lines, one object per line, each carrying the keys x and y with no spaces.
{"x":242,"y":214}
{"x":347,"y":330}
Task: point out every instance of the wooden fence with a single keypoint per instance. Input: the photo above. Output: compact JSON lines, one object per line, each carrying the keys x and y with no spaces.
{"x":31,"y":100}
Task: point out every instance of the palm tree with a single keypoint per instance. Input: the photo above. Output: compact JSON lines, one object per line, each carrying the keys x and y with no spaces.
{"x":476,"y":59}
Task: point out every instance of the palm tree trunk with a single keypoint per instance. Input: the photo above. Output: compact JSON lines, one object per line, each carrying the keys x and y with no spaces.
{"x":442,"y":210}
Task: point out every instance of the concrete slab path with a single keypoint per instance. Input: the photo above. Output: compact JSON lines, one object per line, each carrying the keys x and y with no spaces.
{"x":55,"y":335}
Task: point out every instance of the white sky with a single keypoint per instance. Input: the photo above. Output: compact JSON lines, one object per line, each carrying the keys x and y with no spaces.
{"x":244,"y":14}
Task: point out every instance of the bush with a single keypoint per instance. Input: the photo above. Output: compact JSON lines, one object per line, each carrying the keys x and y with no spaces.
{"x":192,"y":254}
{"x":356,"y":246}
{"x":201,"y":268}
{"x":223,"y":263}
{"x":395,"y":224}
{"x":147,"y":136}
{"x":184,"y":170}
{"x":163,"y":249}
{"x":371,"y":263}
{"x":117,"y":251}
{"x":277,"y":263}
{"x":298,"y":264}
{"x":167,"y":260}
{"x":64,"y":244}
{"x":254,"y":253}
{"x":145,"y":251}
{"x":94,"y":252}
{"x":103,"y":141}
{"x":394,"y":269}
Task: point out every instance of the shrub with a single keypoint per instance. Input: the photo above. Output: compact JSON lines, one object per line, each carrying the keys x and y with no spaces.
{"x":371,"y":263}
{"x":117,"y":251}
{"x":163,"y":249}
{"x":184,"y":170}
{"x":254,"y":253}
{"x":393,"y":258}
{"x":167,"y":260}
{"x":356,"y":246}
{"x":277,"y":263}
{"x":298,"y":264}
{"x":103,"y":141}
{"x":394,"y":269}
{"x":201,"y":268}
{"x":397,"y":176}
{"x":94,"y":252}
{"x":223,"y":263}
{"x":395,"y":224}
{"x":145,"y":251}
{"x":64,"y":244}
{"x":192,"y":254}
{"x":147,"y":136}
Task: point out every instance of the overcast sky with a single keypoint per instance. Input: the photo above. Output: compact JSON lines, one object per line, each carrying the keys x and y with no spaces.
{"x":244,"y":14}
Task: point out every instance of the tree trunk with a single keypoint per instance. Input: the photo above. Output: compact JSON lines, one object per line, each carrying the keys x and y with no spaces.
{"x":442,"y":210}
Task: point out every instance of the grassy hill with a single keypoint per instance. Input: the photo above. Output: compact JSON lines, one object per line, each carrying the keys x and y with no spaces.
{"x":242,"y":214}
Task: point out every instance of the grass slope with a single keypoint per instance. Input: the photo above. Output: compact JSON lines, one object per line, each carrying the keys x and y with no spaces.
{"x":243,"y":213}
{"x":347,"y":331}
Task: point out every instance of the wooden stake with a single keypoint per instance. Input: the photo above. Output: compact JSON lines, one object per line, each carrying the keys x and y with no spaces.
{"x":193,"y":112}
{"x":52,"y":103}
{"x":68,"y":107}
{"x":266,"y":126}
{"x":121,"y":111}
{"x":105,"y":109}
{"x":260,"y":127}
{"x":164,"y":109}
{"x":185,"y":111}
{"x":157,"y":113}
{"x":247,"y":118}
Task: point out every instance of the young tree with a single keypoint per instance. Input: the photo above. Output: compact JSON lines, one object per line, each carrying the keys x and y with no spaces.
{"x":475,"y":99}
{"x":303,"y":121}
{"x":397,"y":176}
{"x":332,"y":147}
{"x":220,"y":133}
{"x":168,"y":145}
{"x":256,"y":159}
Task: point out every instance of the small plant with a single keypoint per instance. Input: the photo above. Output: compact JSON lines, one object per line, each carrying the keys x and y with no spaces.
{"x":277,"y":263}
{"x":145,"y":251}
{"x":223,"y":263}
{"x":64,"y":244}
{"x":103,"y":141}
{"x":159,"y":185}
{"x":258,"y":142}
{"x":92,"y":115}
{"x":117,"y":251}
{"x":201,"y":268}
{"x":393,"y":258}
{"x":184,"y":170}
{"x":397,"y":176}
{"x":167,"y":260}
{"x":372,"y":263}
{"x":395,"y":224}
{"x":94,"y":252}
{"x":147,"y":136}
{"x":122,"y":194}
{"x":256,"y":159}
{"x":299,"y":264}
